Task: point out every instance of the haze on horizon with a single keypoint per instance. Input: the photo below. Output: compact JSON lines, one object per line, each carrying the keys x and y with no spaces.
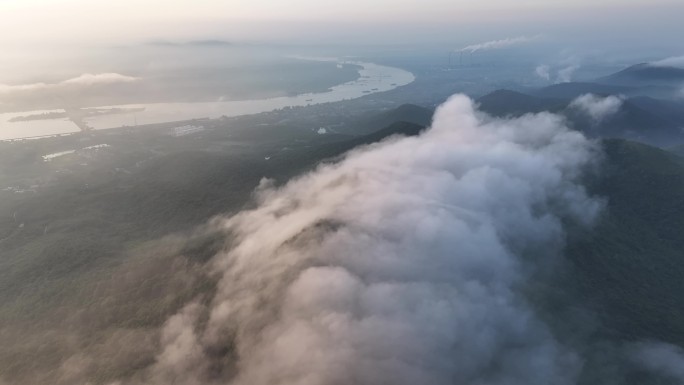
{"x":54,"y":40}
{"x":24,"y":22}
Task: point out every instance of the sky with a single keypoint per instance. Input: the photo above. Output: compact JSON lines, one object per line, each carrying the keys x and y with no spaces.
{"x":52,"y":40}
{"x":25,"y":22}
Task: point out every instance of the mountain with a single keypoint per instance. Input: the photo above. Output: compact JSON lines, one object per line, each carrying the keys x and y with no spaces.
{"x":630,"y":266}
{"x":76,"y":224}
{"x":409,"y":113}
{"x":575,"y":89}
{"x":627,"y":270}
{"x":286,"y":165}
{"x":644,"y":119}
{"x":671,"y":110}
{"x":128,"y":229}
{"x":511,"y":103}
{"x":630,"y":122}
{"x":677,"y":149}
{"x":622,"y":281}
{"x":645,"y":74}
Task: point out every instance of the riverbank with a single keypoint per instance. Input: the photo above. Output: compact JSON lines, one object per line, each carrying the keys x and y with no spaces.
{"x":373,"y":78}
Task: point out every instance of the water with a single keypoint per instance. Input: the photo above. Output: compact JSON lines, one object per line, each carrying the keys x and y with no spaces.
{"x":34,"y":128}
{"x":373,"y":78}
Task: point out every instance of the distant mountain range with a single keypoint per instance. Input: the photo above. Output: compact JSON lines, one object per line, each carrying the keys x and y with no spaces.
{"x":651,"y":112}
{"x":409,"y":113}
{"x":645,"y":74}
{"x":512,"y":103}
{"x":574,"y":89}
{"x":643,"y":119}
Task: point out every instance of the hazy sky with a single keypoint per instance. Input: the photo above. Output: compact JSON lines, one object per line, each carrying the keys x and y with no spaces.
{"x":64,"y":38}
{"x":48,"y":21}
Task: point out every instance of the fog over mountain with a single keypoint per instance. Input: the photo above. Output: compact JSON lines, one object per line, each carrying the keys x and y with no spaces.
{"x":334,"y":277}
{"x":675,"y":61}
{"x":330,"y":193}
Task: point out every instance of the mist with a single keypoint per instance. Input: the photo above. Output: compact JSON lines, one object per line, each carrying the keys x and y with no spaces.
{"x":675,"y":61}
{"x":660,"y":358}
{"x":543,"y":71}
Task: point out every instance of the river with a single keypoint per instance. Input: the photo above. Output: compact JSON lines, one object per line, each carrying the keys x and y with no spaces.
{"x":373,"y":78}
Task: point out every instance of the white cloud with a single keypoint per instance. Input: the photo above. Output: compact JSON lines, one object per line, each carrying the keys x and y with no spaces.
{"x":82,"y":80}
{"x":400,"y":264}
{"x":676,"y":61}
{"x":498,"y":44}
{"x":565,"y":74}
{"x":597,"y":107}
{"x":181,"y":358}
{"x":543,"y":71}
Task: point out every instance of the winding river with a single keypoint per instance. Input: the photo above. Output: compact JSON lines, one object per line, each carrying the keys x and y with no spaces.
{"x":373,"y":78}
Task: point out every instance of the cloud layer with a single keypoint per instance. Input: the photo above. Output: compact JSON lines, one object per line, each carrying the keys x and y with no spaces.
{"x":403,"y":264}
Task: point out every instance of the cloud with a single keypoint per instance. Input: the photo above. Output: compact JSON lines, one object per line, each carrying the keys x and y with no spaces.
{"x":596,"y":107}
{"x":661,"y":358}
{"x":565,"y":70}
{"x":499,"y":44}
{"x":403,"y":263}
{"x":104,"y":78}
{"x":181,"y":359}
{"x":565,"y":74}
{"x":82,"y":80}
{"x":543,"y":71}
{"x":675,"y":61}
